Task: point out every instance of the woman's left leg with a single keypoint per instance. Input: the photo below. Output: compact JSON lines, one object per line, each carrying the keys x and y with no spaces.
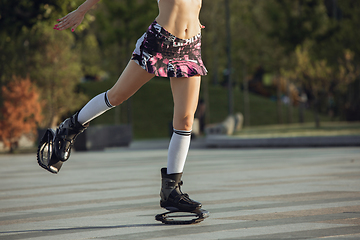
{"x":185,"y":94}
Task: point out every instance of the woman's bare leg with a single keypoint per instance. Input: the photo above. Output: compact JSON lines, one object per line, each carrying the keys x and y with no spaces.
{"x":185,"y":94}
{"x":132,"y":79}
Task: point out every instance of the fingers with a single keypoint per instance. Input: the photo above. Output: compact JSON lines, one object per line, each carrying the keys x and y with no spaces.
{"x":71,"y":20}
{"x":61,"y":23}
{"x":74,"y":27}
{"x":64,"y":24}
{"x":61,"y":19}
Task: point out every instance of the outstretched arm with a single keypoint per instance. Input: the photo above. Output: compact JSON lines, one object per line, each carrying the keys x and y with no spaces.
{"x":74,"y":18}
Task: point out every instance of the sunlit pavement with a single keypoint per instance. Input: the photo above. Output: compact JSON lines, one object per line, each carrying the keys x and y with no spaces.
{"x":300,"y":193}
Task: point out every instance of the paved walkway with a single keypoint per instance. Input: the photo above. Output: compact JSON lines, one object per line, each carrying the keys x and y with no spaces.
{"x":302,"y":193}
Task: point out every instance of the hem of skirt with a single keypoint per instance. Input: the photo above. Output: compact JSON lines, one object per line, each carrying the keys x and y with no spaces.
{"x":176,"y":75}
{"x":182,"y":75}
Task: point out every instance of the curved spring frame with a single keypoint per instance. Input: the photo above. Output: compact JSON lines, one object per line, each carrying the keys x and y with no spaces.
{"x":177,"y":218}
{"x":46,"y":157}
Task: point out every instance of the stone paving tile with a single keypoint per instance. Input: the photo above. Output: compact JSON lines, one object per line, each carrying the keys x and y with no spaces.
{"x":302,"y":193}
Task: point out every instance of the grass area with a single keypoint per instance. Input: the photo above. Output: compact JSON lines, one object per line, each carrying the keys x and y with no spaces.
{"x":263,"y":111}
{"x":301,"y":130}
{"x":150,"y":110}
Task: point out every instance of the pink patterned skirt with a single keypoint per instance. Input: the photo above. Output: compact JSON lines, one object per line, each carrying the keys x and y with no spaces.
{"x":161,"y":53}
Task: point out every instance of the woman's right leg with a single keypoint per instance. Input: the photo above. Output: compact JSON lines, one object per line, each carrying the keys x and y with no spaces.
{"x":131,"y":79}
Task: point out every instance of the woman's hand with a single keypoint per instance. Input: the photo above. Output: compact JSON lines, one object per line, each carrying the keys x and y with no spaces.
{"x":72,"y":20}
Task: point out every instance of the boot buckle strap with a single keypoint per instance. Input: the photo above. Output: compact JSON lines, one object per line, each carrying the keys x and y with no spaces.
{"x":170,"y":183}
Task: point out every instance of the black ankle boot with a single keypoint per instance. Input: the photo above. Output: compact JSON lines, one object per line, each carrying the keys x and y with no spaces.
{"x":172,"y":198}
{"x":65,"y":136}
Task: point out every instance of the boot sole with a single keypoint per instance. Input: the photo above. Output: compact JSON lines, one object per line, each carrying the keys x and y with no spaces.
{"x":177,"y":208}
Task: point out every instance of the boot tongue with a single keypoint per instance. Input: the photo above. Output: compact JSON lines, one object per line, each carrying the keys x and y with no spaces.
{"x":76,"y":124}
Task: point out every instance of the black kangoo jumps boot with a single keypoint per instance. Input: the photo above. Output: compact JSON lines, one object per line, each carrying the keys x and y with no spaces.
{"x":65,"y":136}
{"x":172,"y":198}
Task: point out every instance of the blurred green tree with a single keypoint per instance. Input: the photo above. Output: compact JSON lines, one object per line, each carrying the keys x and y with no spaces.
{"x":56,"y":68}
{"x":341,"y":38}
{"x":329,"y":27}
{"x":16,"y":19}
{"x":90,"y":54}
{"x":313,"y":75}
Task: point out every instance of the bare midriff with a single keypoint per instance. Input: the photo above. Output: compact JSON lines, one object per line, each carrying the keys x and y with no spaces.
{"x":180,"y":17}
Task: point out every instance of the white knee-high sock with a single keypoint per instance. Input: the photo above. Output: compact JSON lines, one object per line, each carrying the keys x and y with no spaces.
{"x":94,"y":108}
{"x":178,"y":150}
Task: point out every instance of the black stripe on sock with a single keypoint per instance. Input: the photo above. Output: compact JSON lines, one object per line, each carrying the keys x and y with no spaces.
{"x":107,"y":102}
{"x":182,"y":133}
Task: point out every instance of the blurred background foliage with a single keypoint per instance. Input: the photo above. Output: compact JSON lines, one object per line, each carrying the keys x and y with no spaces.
{"x":292,"y":60}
